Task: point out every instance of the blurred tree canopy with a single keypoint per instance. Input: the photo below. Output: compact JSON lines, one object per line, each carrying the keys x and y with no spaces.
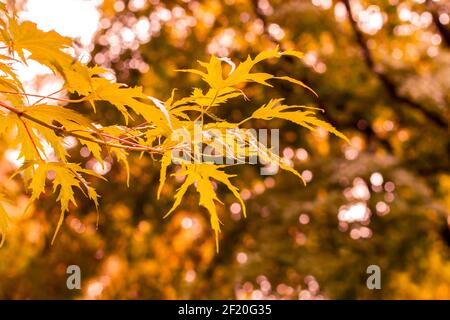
{"x":382,"y":72}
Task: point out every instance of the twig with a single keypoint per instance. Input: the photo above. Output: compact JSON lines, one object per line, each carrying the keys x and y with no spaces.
{"x":22,"y":113}
{"x":31,"y":138}
{"x":41,"y":96}
{"x":46,"y":97}
{"x":370,"y":134}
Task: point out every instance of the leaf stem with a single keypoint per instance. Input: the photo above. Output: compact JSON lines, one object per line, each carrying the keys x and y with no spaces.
{"x":47,"y":97}
{"x":203,"y":111}
{"x":31,"y":138}
{"x":41,"y":96}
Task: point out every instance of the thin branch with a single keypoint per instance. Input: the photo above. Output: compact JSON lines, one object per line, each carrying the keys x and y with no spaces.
{"x":123,"y":140}
{"x":23,"y":114}
{"x":47,"y":97}
{"x":31,"y":138}
{"x":368,"y":131}
{"x":263,"y":18}
{"x":445,"y":33}
{"x":388,"y":84}
{"x":203,"y":111}
{"x":41,"y":96}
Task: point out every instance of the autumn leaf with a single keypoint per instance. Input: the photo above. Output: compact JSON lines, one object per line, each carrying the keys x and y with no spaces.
{"x":66,"y":178}
{"x":201,"y":175}
{"x":213,"y":75}
{"x":39,"y":131}
{"x":307,"y":119}
{"x":44,"y":47}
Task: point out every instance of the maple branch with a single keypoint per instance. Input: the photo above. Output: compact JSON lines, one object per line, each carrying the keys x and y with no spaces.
{"x":105,"y":135}
{"x":118,"y":138}
{"x":132,"y":137}
{"x":203,"y":111}
{"x":137,"y":147}
{"x":139,"y":126}
{"x":388,"y":84}
{"x":48,"y":96}
{"x":211,"y":103}
{"x":41,"y":96}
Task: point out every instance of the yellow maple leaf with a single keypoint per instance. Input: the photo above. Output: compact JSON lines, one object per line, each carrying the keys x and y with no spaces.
{"x":201,"y":175}
{"x":241,"y":74}
{"x":307,"y":119}
{"x":44,"y":47}
{"x":67,"y":177}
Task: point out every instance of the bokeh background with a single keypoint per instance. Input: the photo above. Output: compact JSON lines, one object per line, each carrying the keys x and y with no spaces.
{"x":383,"y":76}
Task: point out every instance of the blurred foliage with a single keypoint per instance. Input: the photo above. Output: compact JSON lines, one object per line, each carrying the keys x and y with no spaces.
{"x":382,"y":200}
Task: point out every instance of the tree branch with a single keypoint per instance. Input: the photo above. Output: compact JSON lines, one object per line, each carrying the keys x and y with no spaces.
{"x":445,"y":33}
{"x":262,"y":17}
{"x":23,"y":114}
{"x":388,"y":84}
{"x":368,"y":131}
{"x":41,"y":96}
